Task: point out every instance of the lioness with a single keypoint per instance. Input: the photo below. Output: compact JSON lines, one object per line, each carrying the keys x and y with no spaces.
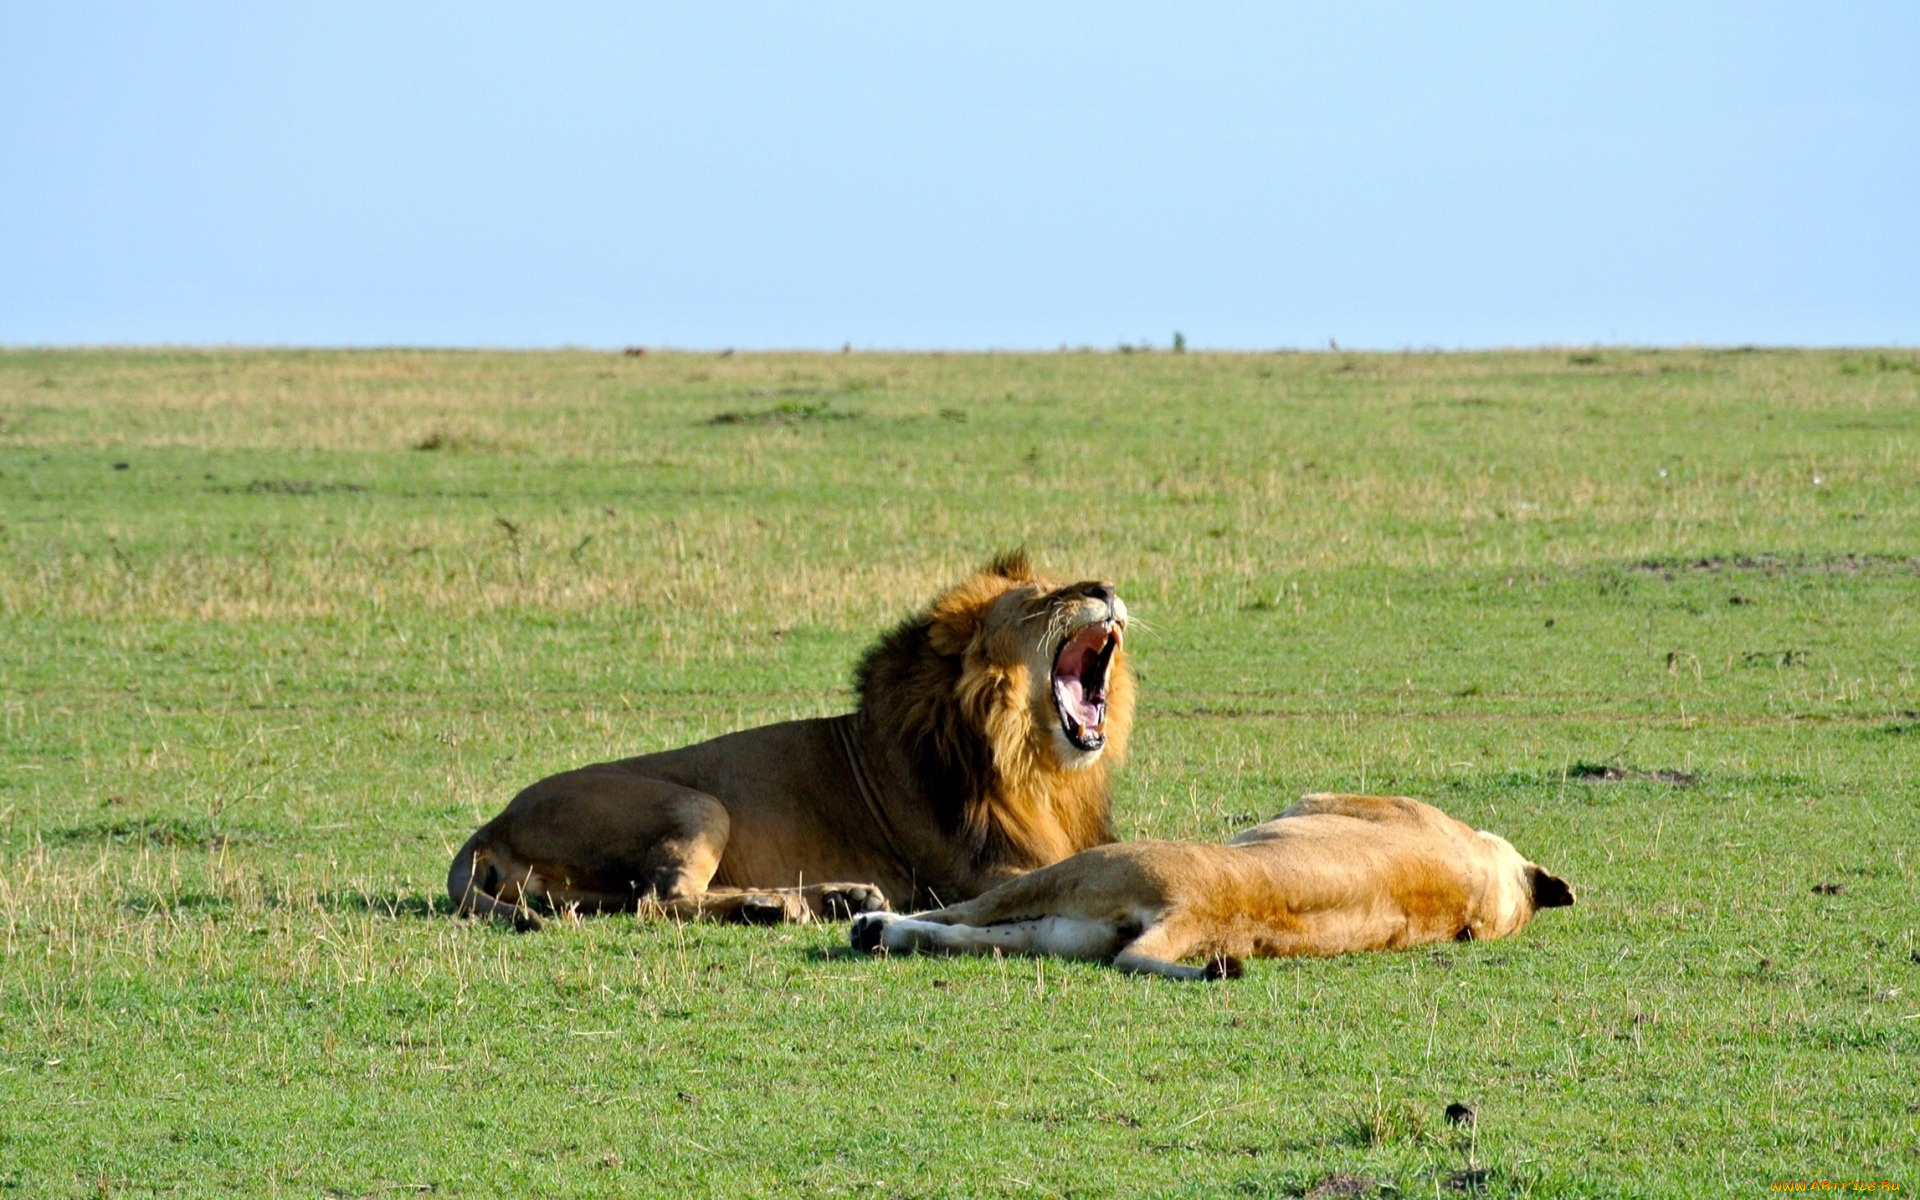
{"x":982,"y":747}
{"x":1331,"y":874}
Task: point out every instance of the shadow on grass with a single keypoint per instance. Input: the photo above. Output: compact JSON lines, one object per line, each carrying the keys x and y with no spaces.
{"x":146,"y":903}
{"x":393,"y":905}
{"x":834,"y":954}
{"x":1906,"y":725}
{"x":390,"y":905}
{"x":185,"y":832}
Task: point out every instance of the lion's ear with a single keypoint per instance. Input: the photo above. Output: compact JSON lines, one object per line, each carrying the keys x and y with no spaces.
{"x":1011,"y":564}
{"x":956,"y":617}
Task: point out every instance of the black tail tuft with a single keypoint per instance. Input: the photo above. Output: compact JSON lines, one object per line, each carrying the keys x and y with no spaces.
{"x":1222,"y":966}
{"x":1549,"y":890}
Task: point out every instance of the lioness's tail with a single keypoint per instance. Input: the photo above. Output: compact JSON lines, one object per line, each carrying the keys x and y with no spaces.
{"x":470,"y":883}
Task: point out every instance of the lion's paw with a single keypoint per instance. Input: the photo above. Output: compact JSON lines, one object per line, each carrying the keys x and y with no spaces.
{"x":844,"y":901}
{"x":760,"y":910}
{"x":867,"y":930}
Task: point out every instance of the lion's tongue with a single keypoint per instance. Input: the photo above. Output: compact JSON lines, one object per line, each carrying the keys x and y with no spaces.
{"x":1085,"y":651}
{"x":1072,"y":695}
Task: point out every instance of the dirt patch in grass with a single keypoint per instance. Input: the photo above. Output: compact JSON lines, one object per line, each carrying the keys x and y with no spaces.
{"x":287,"y":487}
{"x":1342,"y":1184}
{"x":1608,"y":773}
{"x":787,"y":412}
{"x":1774,"y":658}
{"x":1770,"y":563}
{"x":1904,"y":724}
{"x":151,"y":831}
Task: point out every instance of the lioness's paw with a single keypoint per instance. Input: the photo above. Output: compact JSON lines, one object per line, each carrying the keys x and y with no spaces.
{"x":844,"y":901}
{"x":867,"y":930}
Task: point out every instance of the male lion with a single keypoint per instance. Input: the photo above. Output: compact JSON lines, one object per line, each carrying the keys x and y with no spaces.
{"x":982,"y":747}
{"x":1331,"y":874}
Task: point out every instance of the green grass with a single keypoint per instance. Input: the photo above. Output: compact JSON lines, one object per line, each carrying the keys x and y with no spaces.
{"x":259,"y":682}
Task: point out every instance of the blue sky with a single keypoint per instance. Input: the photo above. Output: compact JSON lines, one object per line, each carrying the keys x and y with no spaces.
{"x":962,"y":176}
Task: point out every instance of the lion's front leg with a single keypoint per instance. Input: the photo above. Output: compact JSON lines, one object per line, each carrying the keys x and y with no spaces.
{"x":772,"y":906}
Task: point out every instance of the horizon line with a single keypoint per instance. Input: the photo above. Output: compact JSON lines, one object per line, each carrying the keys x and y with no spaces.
{"x":638,"y":349}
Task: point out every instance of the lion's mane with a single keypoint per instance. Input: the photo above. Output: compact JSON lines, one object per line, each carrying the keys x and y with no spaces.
{"x":953,"y":693}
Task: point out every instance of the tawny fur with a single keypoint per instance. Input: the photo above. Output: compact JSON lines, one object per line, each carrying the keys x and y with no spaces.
{"x":1333,"y":873}
{"x":953,"y":775}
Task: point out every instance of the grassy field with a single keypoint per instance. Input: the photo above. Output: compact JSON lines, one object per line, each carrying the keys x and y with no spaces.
{"x":279,"y":629}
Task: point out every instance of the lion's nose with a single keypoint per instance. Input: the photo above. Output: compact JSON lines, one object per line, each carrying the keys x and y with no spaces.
{"x":1102,"y":591}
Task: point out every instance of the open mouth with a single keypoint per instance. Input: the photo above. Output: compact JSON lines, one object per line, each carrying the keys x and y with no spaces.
{"x":1080,"y":683}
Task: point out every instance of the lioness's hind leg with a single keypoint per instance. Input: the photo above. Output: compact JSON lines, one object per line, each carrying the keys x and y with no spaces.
{"x":1159,"y":948}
